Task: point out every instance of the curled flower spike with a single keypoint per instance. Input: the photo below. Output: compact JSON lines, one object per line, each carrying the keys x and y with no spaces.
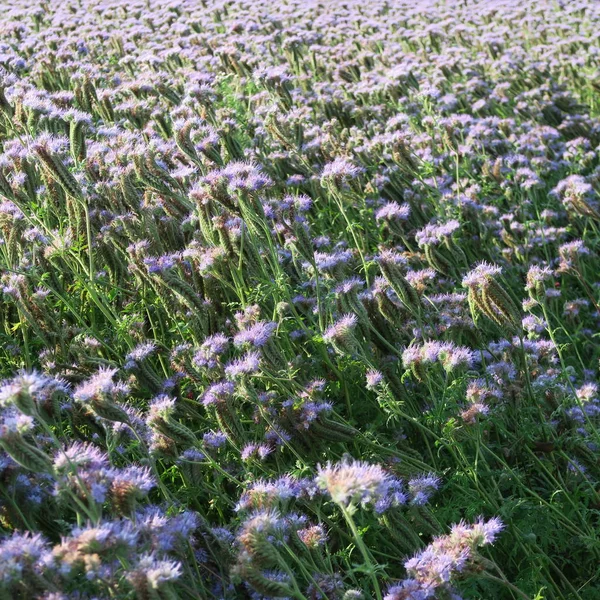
{"x":47,"y":148}
{"x":14,"y":430}
{"x":101,"y":395}
{"x":536,"y":282}
{"x":341,"y":334}
{"x":486,"y":296}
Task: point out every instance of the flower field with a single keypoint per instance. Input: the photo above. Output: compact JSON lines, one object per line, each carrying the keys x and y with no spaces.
{"x":299,"y":299}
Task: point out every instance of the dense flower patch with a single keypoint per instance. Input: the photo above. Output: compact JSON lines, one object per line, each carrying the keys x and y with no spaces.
{"x":299,"y":299}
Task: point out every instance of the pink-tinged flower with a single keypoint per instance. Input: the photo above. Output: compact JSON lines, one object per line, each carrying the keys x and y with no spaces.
{"x":374,"y":379}
{"x":480,"y":274}
{"x":447,"y":354}
{"x":537,"y":276}
{"x":470,"y":414}
{"x":354,"y":482}
{"x":449,"y":555}
{"x":313,"y":536}
{"x":569,"y":255}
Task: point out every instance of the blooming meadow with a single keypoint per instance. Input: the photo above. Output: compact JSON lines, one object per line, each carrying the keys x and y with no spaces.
{"x":299,"y":299}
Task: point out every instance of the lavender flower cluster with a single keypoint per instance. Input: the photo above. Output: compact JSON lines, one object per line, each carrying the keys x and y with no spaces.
{"x":299,"y":299}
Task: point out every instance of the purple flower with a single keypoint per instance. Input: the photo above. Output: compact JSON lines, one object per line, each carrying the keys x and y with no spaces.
{"x":391,"y":257}
{"x":422,"y":488}
{"x":353,"y":284}
{"x":218,"y":393}
{"x":14,"y":423}
{"x":162,"y":406}
{"x":485,"y":532}
{"x":260,"y":451}
{"x":408,"y":589}
{"x":313,"y":536}
{"x":245,"y":176}
{"x":480,"y":274}
{"x":392,"y":211}
{"x":214,"y":439}
{"x":210,"y":350}
{"x":448,"y":555}
{"x":266,"y":493}
{"x":100,"y":385}
{"x":434,"y":234}
{"x":19,"y":554}
{"x":28,"y":390}
{"x":81,"y":455}
{"x":341,"y":329}
{"x":470,"y":414}
{"x":449,"y":355}
{"x":374,"y":378}
{"x":256,"y":335}
{"x":154,"y":572}
{"x":138,"y":480}
{"x":192,"y":455}
{"x":140,"y":353}
{"x":569,"y":256}
{"x":246,"y":365}
{"x":328,"y":262}
{"x":340,"y":170}
{"x":165,"y":532}
{"x":536,"y":276}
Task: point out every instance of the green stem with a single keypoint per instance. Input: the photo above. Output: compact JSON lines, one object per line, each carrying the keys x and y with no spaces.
{"x":360,"y":544}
